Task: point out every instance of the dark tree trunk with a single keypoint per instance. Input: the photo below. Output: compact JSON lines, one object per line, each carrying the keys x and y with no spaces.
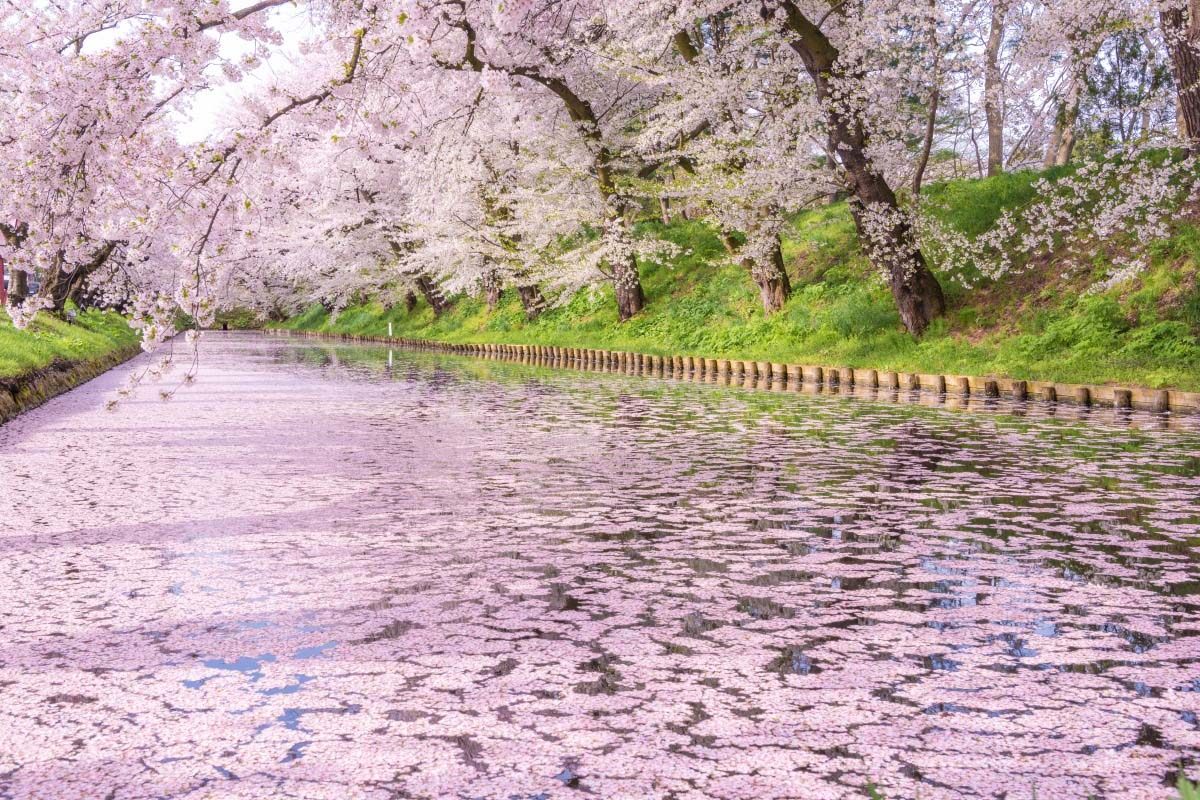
{"x":492,"y":295}
{"x":776,"y":289}
{"x":532,"y":301}
{"x":774,"y":293}
{"x":628,"y":287}
{"x":410,"y":301}
{"x":916,"y":291}
{"x":664,"y":209}
{"x":433,"y":295}
{"x":774,"y":286}
{"x":492,"y":287}
{"x":19,"y":282}
{"x":1181,"y":30}
{"x":58,"y":286}
{"x":20,"y":287}
{"x":62,"y":285}
{"x":892,"y":247}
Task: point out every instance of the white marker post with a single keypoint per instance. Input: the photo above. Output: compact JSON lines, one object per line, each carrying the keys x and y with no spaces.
{"x":389,"y":330}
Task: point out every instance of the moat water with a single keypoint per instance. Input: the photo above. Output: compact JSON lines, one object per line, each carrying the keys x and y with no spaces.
{"x":334,"y":571}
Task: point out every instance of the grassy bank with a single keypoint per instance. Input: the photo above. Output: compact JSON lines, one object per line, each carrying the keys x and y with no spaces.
{"x":93,"y":334}
{"x":1046,"y":323}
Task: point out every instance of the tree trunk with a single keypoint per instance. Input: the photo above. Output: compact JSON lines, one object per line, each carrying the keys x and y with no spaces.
{"x":1055,"y":142}
{"x":993,"y":89}
{"x":62,"y":285}
{"x":935,"y":98}
{"x":1066,"y":144}
{"x":890,"y":242}
{"x":1062,"y":142}
{"x":20,"y":287}
{"x":492,"y":287}
{"x":627,"y":286}
{"x":774,"y":286}
{"x":664,"y":209}
{"x":410,"y":301}
{"x":433,"y":295}
{"x":13,"y":235}
{"x":626,"y":281}
{"x":1181,"y":30}
{"x":883,"y":229}
{"x":532,"y":301}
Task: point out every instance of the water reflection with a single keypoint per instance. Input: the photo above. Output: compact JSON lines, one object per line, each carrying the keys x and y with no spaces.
{"x":332,"y":571}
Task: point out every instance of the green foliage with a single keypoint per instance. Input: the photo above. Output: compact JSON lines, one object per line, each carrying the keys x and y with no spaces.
{"x":239,"y":319}
{"x":1187,"y":791}
{"x":1142,"y":332}
{"x":91,"y":335}
{"x":974,"y":206}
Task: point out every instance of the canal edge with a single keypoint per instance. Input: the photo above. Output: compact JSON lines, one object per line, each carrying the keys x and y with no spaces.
{"x":798,"y":376}
{"x":27,"y":391}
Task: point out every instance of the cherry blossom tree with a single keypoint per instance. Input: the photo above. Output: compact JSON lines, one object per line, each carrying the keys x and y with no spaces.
{"x":88,"y":155}
{"x":443,"y":147}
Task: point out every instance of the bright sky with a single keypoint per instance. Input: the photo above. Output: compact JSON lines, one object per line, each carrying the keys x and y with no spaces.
{"x":210,"y":109}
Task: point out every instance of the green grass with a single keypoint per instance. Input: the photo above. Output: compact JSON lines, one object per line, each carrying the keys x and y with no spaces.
{"x":237,"y":319}
{"x":1039,"y":325}
{"x":93,"y":334}
{"x":1186,"y":789}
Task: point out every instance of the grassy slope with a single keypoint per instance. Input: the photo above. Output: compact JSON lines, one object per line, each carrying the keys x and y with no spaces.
{"x":93,"y":334}
{"x":1038,"y":325}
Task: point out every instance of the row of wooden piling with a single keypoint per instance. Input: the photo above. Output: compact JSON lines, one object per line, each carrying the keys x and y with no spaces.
{"x":796,"y":376}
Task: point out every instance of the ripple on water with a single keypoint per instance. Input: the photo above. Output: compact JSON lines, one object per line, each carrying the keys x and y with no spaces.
{"x":314,"y":575}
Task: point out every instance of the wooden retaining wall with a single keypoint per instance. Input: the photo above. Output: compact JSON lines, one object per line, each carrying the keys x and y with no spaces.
{"x":766,"y":375}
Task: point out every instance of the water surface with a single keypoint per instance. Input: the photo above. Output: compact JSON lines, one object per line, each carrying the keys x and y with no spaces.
{"x":315,"y":575}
